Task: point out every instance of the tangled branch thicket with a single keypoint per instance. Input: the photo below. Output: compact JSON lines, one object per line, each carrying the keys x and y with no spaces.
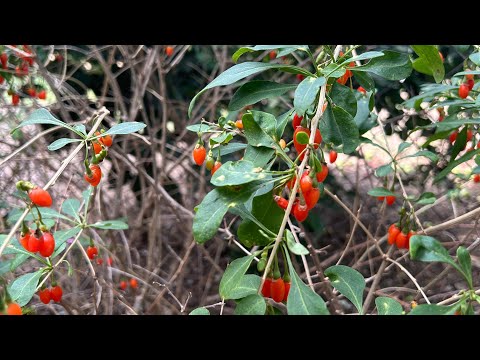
{"x":150,"y":180}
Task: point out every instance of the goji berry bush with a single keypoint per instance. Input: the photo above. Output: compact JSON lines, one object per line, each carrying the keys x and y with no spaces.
{"x":268,"y":179}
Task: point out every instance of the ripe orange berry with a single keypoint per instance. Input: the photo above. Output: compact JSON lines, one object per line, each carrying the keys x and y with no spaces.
{"x":277,"y":290}
{"x":287,"y":291}
{"x":169,"y":50}
{"x":199,"y":154}
{"x":47,"y":244}
{"x":476,"y":178}
{"x":56,"y":293}
{"x":40,"y":197}
{"x":322,"y":174}
{"x":123,"y":285}
{"x":390,"y":200}
{"x":42,"y":95}
{"x":362,"y":90}
{"x":312,"y":197}
{"x":14,"y":309}
{"x":97,"y":147}
{"x":45,"y":295}
{"x":239,"y":124}
{"x":96,"y":176}
{"x":133,"y":283}
{"x":92,"y":251}
{"x":333,"y":156}
{"x":266,"y":289}
{"x":282,"y":202}
{"x":401,"y":240}
{"x":272,"y":54}
{"x":300,"y":212}
{"x":463,"y":90}
{"x":216,"y":166}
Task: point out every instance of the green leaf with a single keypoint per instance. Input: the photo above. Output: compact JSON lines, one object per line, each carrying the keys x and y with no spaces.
{"x":233,"y":276}
{"x":448,"y":124}
{"x":433,"y":309}
{"x":338,"y":127}
{"x":247,"y":49}
{"x":254,"y":91}
{"x":18,"y":260}
{"x":306,"y":94}
{"x":231,"y":148}
{"x":200,"y":311}
{"x":294,"y":247}
{"x":61,"y":237}
{"x":333,"y":70}
{"x":426,"y":198}
{"x":47,"y":213}
{"x":42,"y":116}
{"x":388,"y":306}
{"x":460,"y":143}
{"x":110,"y":224}
{"x":364,"y":119}
{"x":81,"y":128}
{"x":348,"y":282}
{"x":259,"y":156}
{"x":125,"y":128}
{"x":222,"y":138}
{"x":256,"y":134}
{"x":366,"y":55}
{"x":402,"y":146}
{"x":203,"y":128}
{"x":241,"y":71}
{"x":427,"y":249}
{"x":58,"y":144}
{"x":70,"y":207}
{"x":429,"y":61}
{"x":384,"y":170}
{"x":469,"y":72}
{"x":475,"y":58}
{"x":380,"y":191}
{"x":266,"y":211}
{"x":215,"y":204}
{"x":86,"y":196}
{"x":453,"y":164}
{"x":465,"y":263}
{"x":344,"y":97}
{"x":392,"y":66}
{"x":301,"y":299}
{"x":248,"y":285}
{"x":237,"y":173}
{"x":23,"y":288}
{"x":251,"y":305}
{"x":428,"y":154}
{"x":282,"y":121}
{"x":428,"y":92}
{"x":365,"y":80}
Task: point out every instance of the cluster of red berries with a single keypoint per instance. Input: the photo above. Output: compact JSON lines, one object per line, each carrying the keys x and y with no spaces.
{"x":399,"y":237}
{"x":466,"y":86}
{"x":199,"y":155}
{"x":133,"y":284}
{"x":453,"y":137}
{"x":316,"y":172}
{"x":46,"y":295}
{"x":20,"y":65}
{"x":277,"y":289}
{"x":40,"y":241}
{"x":390,"y":199}
{"x":93,"y":173}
